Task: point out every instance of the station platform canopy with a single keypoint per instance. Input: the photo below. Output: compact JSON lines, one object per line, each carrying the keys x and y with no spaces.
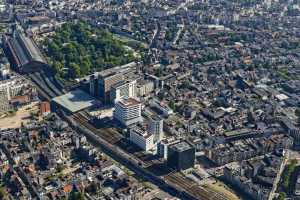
{"x":75,"y":101}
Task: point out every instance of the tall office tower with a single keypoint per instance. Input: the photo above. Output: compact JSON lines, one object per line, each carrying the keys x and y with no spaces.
{"x":181,"y":156}
{"x":156,"y":127}
{"x":106,"y":80}
{"x":101,"y":83}
{"x":128,"y":112}
{"x":94,"y":85}
{"x":162,"y":147}
{"x":123,"y":90}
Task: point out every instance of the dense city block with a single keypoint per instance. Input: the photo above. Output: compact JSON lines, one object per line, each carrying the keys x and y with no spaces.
{"x":150,"y":99}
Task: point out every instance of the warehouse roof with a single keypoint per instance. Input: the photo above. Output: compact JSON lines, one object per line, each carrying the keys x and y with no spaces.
{"x":24,"y":50}
{"x":31,"y":48}
{"x":75,"y":100}
{"x":19,"y":52}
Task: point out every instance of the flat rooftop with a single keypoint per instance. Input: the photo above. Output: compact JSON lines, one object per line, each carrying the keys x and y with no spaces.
{"x":75,"y":100}
{"x":237,"y":132}
{"x":181,"y":146}
{"x":129,"y":102}
{"x":156,"y":117}
{"x":141,"y":132}
{"x":115,"y":70}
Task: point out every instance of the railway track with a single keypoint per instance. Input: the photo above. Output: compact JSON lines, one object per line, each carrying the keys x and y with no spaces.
{"x":178,"y":181}
{"x":144,"y":158}
{"x":192,"y":188}
{"x":41,"y":82}
{"x":56,"y":91}
{"x":100,"y":138}
{"x":105,"y":134}
{"x":45,"y":86}
{"x":111,"y":138}
{"x":184,"y":186}
{"x":40,"y":89}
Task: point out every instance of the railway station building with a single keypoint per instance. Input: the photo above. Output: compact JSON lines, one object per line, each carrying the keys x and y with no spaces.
{"x":23,"y":53}
{"x":73,"y":101}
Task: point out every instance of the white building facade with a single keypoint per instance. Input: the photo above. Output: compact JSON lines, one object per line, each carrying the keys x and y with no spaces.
{"x":155,"y":127}
{"x":123,"y":90}
{"x":142,"y":138}
{"x":8,"y":89}
{"x":128,"y":111}
{"x":166,"y":111}
{"x":145,"y":88}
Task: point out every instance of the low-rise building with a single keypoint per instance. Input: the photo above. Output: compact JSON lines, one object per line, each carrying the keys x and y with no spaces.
{"x":254,"y":177}
{"x":45,"y":108}
{"x":249,"y":148}
{"x":4,"y":103}
{"x":164,"y":109}
{"x":10,"y":90}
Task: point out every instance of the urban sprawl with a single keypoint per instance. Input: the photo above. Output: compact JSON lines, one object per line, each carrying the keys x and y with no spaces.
{"x":150,"y":99}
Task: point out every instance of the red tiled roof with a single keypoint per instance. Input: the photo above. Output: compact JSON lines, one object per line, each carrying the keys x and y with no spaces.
{"x":44,"y":107}
{"x":68,"y":188}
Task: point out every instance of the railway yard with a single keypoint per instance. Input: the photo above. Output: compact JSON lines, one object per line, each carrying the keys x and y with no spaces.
{"x":160,"y":99}
{"x":114,"y":140}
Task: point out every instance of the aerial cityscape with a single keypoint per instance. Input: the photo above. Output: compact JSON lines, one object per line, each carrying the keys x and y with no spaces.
{"x":150,"y":99}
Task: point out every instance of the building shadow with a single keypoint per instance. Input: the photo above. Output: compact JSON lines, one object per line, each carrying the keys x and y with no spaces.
{"x":160,"y":169}
{"x":205,"y":162}
{"x":101,"y":123}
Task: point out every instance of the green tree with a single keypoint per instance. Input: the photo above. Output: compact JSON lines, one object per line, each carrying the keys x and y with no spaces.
{"x":85,"y":67}
{"x":297,"y":112}
{"x":74,"y":70}
{"x":75,"y":195}
{"x":287,"y":174}
{"x":281,"y":196}
{"x":93,"y":187}
{"x":77,"y":45}
{"x":57,"y":66}
{"x":172,"y":105}
{"x":60,"y":168}
{"x":169,"y":36}
{"x":3,"y":193}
